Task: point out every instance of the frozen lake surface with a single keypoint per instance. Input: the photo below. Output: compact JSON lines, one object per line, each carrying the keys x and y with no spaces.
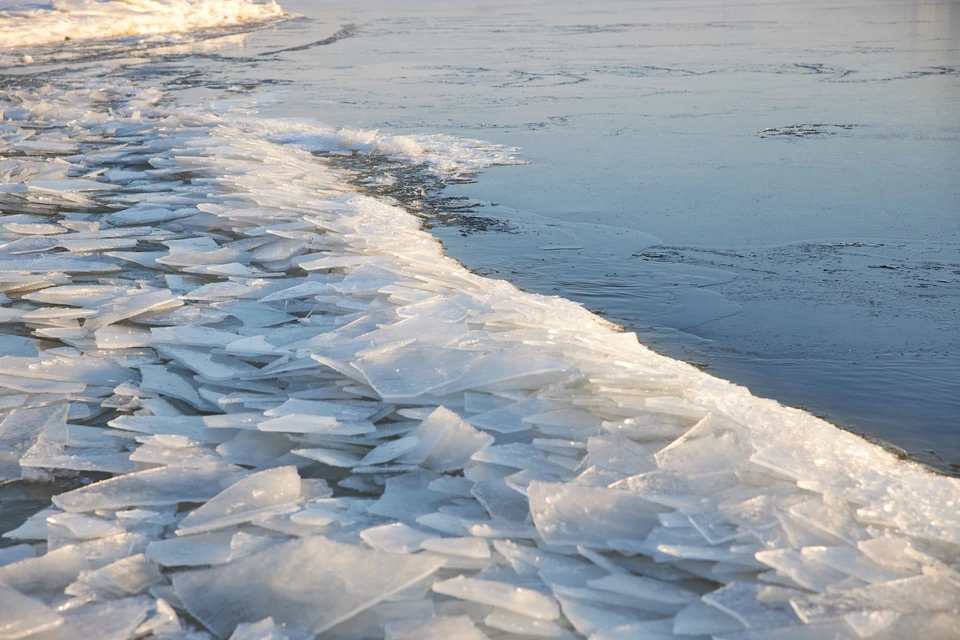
{"x":246,"y":393}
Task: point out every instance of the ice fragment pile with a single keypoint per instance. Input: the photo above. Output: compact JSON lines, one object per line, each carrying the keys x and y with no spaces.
{"x":294,"y":416}
{"x":36,"y":24}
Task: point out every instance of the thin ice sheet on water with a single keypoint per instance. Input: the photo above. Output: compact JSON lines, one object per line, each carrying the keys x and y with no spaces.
{"x":22,"y":617}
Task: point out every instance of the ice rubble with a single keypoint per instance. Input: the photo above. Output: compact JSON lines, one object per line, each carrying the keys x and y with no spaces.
{"x":106,"y":19}
{"x":315,"y":422}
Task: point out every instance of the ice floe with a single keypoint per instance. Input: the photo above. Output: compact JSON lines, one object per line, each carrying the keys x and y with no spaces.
{"x":106,"y":19}
{"x":268,"y":407}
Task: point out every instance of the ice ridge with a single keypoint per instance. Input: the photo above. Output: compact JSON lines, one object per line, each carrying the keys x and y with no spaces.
{"x":285,"y":412}
{"x":108,"y":19}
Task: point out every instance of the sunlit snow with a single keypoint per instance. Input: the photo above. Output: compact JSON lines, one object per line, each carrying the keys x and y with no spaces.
{"x":105,"y":19}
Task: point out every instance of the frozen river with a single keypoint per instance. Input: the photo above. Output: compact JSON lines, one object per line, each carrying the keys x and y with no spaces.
{"x":249,"y":390}
{"x":795,"y":163}
{"x":768,"y":190}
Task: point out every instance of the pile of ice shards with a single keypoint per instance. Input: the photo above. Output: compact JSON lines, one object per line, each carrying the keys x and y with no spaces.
{"x":45,"y":23}
{"x":275,"y":409}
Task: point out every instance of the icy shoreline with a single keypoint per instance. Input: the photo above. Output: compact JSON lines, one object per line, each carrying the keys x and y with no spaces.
{"x":210,"y":315}
{"x":105,"y":20}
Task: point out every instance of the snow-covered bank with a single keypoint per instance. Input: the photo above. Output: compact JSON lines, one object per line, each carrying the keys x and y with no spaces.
{"x":106,"y":19}
{"x":320,"y":423}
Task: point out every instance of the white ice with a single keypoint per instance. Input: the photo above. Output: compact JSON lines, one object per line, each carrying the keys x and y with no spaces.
{"x":106,"y":19}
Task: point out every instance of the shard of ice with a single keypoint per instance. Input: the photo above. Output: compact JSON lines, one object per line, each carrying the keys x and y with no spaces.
{"x":313,"y":583}
{"x":184,"y":482}
{"x":520,"y":600}
{"x":260,"y":494}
